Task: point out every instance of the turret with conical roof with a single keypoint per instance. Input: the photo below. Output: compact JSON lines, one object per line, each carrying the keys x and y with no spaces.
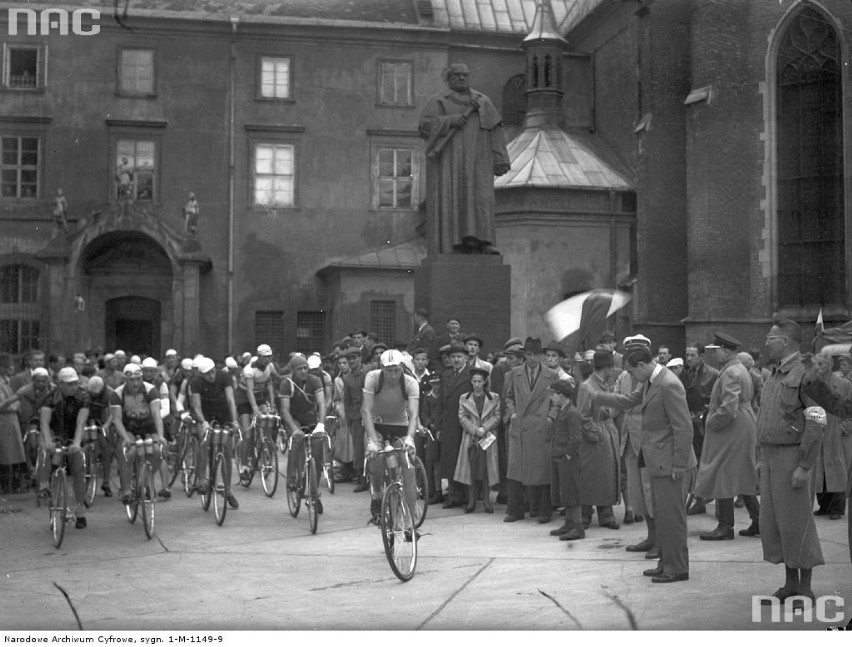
{"x":543,"y":48}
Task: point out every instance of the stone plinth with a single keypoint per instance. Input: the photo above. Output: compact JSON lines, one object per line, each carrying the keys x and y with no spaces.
{"x":473,"y":287}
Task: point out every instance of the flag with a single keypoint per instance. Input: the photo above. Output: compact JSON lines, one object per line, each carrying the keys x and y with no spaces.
{"x":578,"y":321}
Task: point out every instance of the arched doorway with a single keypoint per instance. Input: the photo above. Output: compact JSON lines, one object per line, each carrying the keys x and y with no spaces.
{"x":129,"y":279}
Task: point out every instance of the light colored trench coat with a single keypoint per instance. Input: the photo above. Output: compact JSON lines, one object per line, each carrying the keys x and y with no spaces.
{"x":471,"y":421}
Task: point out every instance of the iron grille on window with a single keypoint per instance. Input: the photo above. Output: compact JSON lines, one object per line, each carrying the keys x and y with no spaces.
{"x":310,"y":331}
{"x":19,"y":308}
{"x":269,"y":329}
{"x":383,"y":320}
{"x":810,"y":164}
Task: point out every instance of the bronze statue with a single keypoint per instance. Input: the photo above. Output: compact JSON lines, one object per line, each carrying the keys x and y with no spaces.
{"x":465,"y":149}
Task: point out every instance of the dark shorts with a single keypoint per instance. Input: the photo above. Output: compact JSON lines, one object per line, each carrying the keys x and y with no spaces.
{"x":389,"y":432}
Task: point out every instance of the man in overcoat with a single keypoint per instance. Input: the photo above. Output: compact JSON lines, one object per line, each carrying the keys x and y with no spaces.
{"x":666,"y":453}
{"x":455,"y":382}
{"x":728,"y":460}
{"x":599,"y":462}
{"x":527,"y":404}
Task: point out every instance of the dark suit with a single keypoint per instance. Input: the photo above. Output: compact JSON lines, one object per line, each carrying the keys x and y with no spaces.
{"x":666,"y":444}
{"x":453,"y":386}
{"x":423,"y":338}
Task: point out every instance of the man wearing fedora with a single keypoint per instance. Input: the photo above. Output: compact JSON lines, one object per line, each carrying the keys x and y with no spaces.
{"x":553,"y":355}
{"x":455,"y":382}
{"x":513,"y":349}
{"x":474,"y":344}
{"x":527,"y":404}
{"x":666,"y":453}
{"x":730,"y":439}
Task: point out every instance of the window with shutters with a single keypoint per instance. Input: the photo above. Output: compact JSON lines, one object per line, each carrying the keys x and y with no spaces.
{"x":811,"y":267}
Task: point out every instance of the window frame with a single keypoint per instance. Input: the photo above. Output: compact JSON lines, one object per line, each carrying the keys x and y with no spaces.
{"x":41,"y":66}
{"x":322,"y":338}
{"x":259,"y":96}
{"x":39,"y":168}
{"x":380,"y":99}
{"x":21,"y":312}
{"x":120,"y":90}
{"x":382,"y":142}
{"x":263,"y":140}
{"x":118,"y":136}
{"x":393,"y":303}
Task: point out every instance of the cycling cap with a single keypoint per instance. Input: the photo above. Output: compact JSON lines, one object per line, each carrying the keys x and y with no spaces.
{"x":132,"y":370}
{"x":68,"y":374}
{"x":171,"y":352}
{"x":95,"y":385}
{"x":186,"y":364}
{"x":298,"y":360}
{"x":149,"y":362}
{"x":391,"y":357}
{"x":40,"y":372}
{"x":264,"y":351}
{"x":135,"y":359}
{"x":314,"y":361}
{"x":120,"y":352}
{"x":231,"y":363}
{"x":205,"y":365}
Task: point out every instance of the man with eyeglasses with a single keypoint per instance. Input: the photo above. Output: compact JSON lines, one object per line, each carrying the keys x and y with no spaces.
{"x":789,"y":432}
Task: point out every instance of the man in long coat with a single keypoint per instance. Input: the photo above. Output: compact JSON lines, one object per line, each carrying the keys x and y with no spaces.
{"x":529,"y":436}
{"x":728,"y":458}
{"x":455,"y":382}
{"x":599,"y":464}
{"x":465,"y":149}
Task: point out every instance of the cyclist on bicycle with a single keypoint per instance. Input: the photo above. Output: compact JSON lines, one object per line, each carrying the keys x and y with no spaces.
{"x":64,"y":416}
{"x":101,"y":398}
{"x":31,"y":397}
{"x":212,"y":398}
{"x":136,"y":414}
{"x":254,"y":389}
{"x":390,"y":410}
{"x":152,"y":374}
{"x":302,"y":405}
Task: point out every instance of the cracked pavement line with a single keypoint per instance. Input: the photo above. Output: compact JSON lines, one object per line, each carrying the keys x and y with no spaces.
{"x":455,"y":593}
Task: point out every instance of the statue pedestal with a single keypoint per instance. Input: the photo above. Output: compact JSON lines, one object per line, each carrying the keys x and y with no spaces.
{"x":475,"y":288}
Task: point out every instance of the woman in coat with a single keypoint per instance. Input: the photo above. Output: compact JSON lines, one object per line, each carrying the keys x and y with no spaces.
{"x":479,"y":415}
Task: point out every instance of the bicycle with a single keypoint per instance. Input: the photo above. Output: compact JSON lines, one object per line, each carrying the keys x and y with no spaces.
{"x":306,"y":481}
{"x":58,"y":493}
{"x":142,"y":488}
{"x":399,"y":535}
{"x":217,"y":488}
{"x":421,"y":505}
{"x":263,"y":456}
{"x":177,"y":451}
{"x":33,"y":452}
{"x":187,"y":439}
{"x":91,"y":460}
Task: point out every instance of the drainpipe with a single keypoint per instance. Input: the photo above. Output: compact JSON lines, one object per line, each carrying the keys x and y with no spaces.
{"x":232,"y":106}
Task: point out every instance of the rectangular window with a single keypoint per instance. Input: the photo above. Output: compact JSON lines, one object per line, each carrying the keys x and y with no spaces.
{"x":135,"y":170}
{"x":274,"y":175}
{"x":23,"y":66}
{"x":310,"y":331}
{"x":274,"y":77}
{"x":19,"y":308}
{"x":394,"y":171}
{"x":136,"y":72}
{"x":395,"y":83}
{"x":383,"y":320}
{"x":19,"y":167}
{"x":269,"y":329}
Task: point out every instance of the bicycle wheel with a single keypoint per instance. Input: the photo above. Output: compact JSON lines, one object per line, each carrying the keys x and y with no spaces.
{"x":217,"y":483}
{"x":132,"y":508}
{"x":398,"y":534}
{"x":189,"y":458}
{"x":58,"y":504}
{"x":90,"y":476}
{"x":149,"y":498}
{"x":294,"y":494}
{"x":268,"y":465}
{"x":312,"y":497}
{"x":421,"y":503}
{"x":328,"y":464}
{"x":177,"y":457}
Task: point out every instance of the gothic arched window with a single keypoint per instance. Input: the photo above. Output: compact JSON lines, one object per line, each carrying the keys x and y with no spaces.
{"x":515,"y":101}
{"x":810,"y":164}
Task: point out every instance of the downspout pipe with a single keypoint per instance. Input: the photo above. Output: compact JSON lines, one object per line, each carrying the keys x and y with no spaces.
{"x":232,"y":107}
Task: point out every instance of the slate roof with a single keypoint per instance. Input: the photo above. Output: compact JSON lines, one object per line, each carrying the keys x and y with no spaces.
{"x":402,"y":256}
{"x":553,"y":158}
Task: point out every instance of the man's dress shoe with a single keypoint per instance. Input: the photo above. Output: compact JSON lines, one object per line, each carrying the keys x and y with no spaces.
{"x":665,"y":578}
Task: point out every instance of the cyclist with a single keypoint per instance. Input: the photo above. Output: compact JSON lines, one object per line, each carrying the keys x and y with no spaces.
{"x":64,"y":416}
{"x":315,"y":368}
{"x":152,"y":374}
{"x":255,"y":389}
{"x":101,"y":398}
{"x":212,"y":398}
{"x":136,"y":414}
{"x":32,"y":397}
{"x":390,"y":410}
{"x":302,"y":405}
